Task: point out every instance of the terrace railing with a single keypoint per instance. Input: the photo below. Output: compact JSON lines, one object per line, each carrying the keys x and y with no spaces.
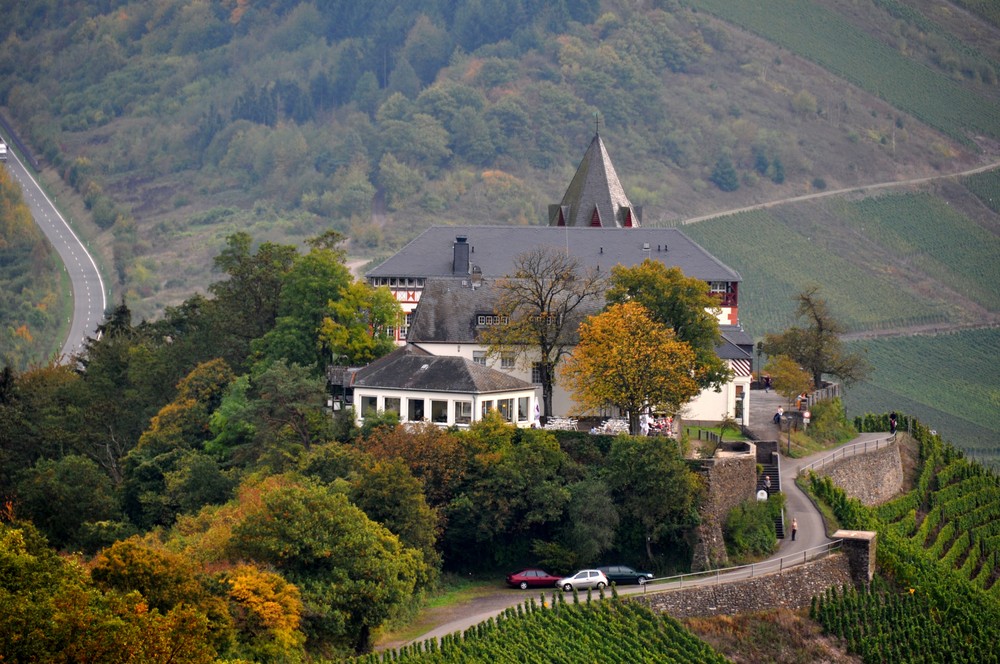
{"x":850,"y":451}
{"x":723,"y":575}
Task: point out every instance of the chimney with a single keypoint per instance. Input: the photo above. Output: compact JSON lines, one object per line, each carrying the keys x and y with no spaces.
{"x":460,"y":264}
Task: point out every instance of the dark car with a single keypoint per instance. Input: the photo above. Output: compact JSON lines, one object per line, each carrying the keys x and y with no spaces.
{"x":622,"y":574}
{"x":531,"y":578}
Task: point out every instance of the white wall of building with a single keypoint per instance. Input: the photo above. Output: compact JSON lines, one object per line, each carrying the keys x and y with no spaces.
{"x":445,"y":408}
{"x":709,"y":406}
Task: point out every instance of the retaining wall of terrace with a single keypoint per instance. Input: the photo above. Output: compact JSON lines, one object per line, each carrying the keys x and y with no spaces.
{"x":793,"y":588}
{"x":873,"y":477}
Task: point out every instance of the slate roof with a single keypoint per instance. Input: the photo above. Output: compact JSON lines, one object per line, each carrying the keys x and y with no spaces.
{"x":736,"y":344}
{"x":448,"y":310}
{"x":494,"y":248}
{"x":410,"y":368}
{"x":595,"y":185}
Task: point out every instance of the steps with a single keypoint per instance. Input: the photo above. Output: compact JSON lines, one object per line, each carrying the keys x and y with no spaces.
{"x":772,"y":471}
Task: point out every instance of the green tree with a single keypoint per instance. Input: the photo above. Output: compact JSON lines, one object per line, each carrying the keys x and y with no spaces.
{"x":389,"y":493}
{"x":358,"y":324}
{"x":541,"y":304}
{"x":62,"y":496}
{"x":514,"y":493}
{"x":311,"y":283}
{"x":724,"y":175}
{"x":682,"y":303}
{"x":287,"y":407}
{"x":656,"y":491}
{"x":248,"y":302}
{"x":591,"y":521}
{"x":353,"y":573}
{"x":817,"y":347}
{"x":626,"y":359}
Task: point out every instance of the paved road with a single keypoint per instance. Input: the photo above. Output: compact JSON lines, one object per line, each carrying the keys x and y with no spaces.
{"x":89,"y":297}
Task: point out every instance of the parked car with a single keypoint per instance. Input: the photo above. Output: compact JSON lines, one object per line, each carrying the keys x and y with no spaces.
{"x":531,"y":578}
{"x":622,"y":574}
{"x":583,"y":580}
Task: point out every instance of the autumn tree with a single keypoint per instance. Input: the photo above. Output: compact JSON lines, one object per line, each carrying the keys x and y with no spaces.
{"x":628,"y":360}
{"x":683,"y":304}
{"x":817,"y":347}
{"x":436,"y":456}
{"x":353,"y":573}
{"x":790,"y":380}
{"x":540,"y":305}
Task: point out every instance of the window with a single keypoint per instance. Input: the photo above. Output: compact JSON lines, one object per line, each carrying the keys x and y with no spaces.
{"x":522,"y":409}
{"x":439,"y":411}
{"x":392,"y":405}
{"x":415,"y":410}
{"x":487,"y":407}
{"x":479,"y":357}
{"x":717,"y":287}
{"x":486,"y":320}
{"x":506,"y":408}
{"x":369,"y":406}
{"x":536,"y":373}
{"x":507,"y":361}
{"x":463,"y":412}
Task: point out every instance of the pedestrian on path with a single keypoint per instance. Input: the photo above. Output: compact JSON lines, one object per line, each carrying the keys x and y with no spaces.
{"x":795,"y":528}
{"x":767,"y":484}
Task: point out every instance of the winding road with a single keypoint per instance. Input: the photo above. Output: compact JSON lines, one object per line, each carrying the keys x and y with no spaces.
{"x":89,"y":294}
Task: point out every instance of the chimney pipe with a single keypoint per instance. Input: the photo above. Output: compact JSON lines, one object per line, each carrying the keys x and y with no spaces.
{"x":460,"y":262}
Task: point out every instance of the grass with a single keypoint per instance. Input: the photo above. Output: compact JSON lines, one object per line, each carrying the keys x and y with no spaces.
{"x":454,"y":590}
{"x":780,"y":636}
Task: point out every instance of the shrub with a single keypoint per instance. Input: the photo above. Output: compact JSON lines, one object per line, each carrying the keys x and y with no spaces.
{"x":749,"y":528}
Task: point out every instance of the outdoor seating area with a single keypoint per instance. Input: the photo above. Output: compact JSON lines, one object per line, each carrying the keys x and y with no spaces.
{"x":561,"y":424}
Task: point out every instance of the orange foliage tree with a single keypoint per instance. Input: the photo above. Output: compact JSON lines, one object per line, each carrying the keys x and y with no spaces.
{"x":628,"y":360}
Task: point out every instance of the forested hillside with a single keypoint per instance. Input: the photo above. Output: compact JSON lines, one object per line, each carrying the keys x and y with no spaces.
{"x":30,"y":311}
{"x":283,"y":118}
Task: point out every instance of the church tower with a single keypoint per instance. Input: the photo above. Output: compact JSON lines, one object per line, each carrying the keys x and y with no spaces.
{"x":595,"y":197}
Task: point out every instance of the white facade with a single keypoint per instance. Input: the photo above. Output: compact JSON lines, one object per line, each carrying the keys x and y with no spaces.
{"x":709,"y":405}
{"x":446,"y":408}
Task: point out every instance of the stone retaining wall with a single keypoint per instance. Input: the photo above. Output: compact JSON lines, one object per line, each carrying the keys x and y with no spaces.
{"x":793,"y":588}
{"x":873,"y":477}
{"x":729,"y":481}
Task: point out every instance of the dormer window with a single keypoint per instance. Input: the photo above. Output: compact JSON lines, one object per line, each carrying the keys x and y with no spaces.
{"x":489,"y":320}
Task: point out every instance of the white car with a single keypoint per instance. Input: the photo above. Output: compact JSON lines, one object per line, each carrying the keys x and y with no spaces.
{"x":583,"y":580}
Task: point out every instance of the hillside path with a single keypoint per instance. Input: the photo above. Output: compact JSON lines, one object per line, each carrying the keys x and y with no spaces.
{"x":847,"y":190}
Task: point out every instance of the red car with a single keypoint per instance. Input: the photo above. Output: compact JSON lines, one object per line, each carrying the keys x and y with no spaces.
{"x":531,"y":578}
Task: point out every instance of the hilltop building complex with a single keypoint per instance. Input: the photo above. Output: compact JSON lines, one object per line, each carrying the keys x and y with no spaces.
{"x":445,"y":281}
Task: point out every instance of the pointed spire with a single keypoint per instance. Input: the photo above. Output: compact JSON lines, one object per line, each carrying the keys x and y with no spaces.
{"x":595,"y":196}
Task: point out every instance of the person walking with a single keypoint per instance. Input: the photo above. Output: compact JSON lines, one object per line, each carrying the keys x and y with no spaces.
{"x":795,"y":528}
{"x":767,"y":484}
